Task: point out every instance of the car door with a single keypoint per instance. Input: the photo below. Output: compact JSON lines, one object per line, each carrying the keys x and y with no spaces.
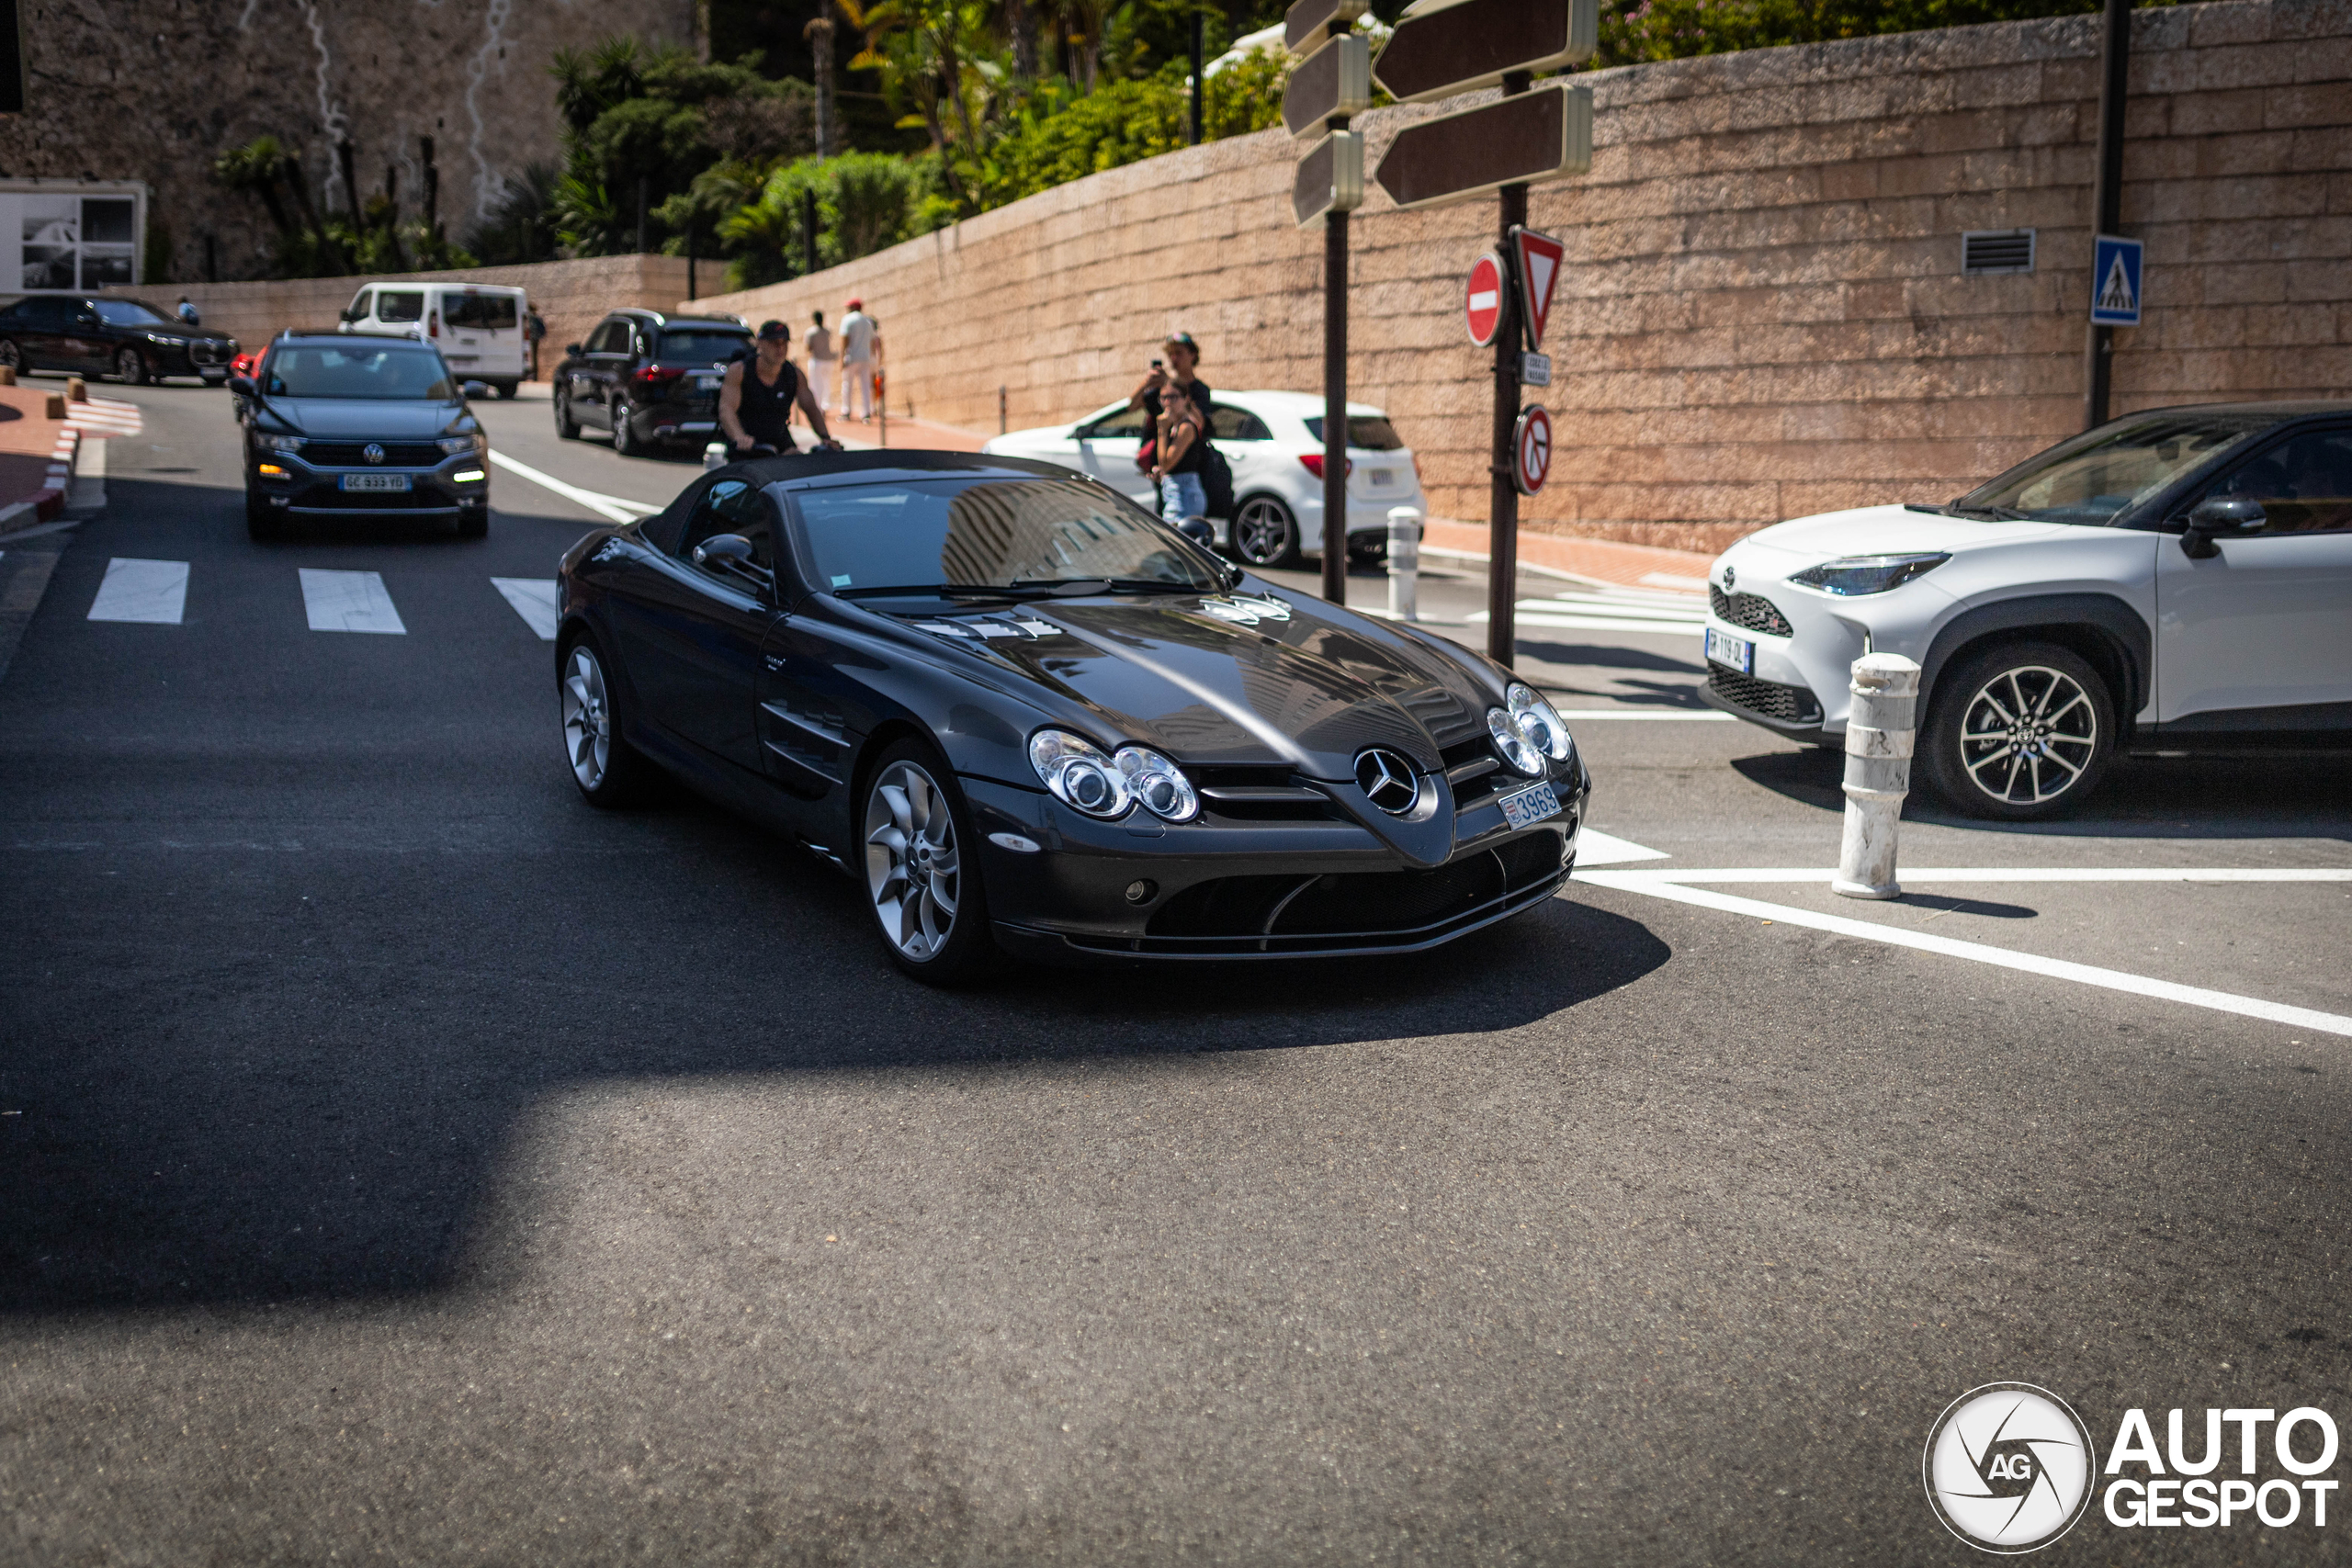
{"x":806,"y":710}
{"x":1107,"y":448}
{"x":691,"y":633}
{"x":355,"y":314}
{"x":2257,"y":638}
{"x":86,"y":345}
{"x":604,"y":363}
{"x":41,"y":332}
{"x":1248,"y":445}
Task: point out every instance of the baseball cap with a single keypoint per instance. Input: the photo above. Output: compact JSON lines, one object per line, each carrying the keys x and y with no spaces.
{"x":776,"y":330}
{"x":1182,"y":340}
{"x":857,"y":304}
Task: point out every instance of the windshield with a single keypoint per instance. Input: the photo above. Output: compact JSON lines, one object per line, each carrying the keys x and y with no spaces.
{"x":989,"y":532}
{"x":128,"y":313}
{"x":704,"y":348}
{"x":2097,"y":477}
{"x":1366,"y":433}
{"x":491,"y":312}
{"x":359,"y":369}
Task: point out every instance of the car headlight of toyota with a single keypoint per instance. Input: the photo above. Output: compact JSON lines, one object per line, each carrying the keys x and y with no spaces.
{"x":1851,"y":575}
{"x":1078,"y":774}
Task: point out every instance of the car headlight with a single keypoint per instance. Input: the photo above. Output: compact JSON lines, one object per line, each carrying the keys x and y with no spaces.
{"x":269,"y":443}
{"x":1159,"y":783}
{"x":1080,"y":774}
{"x":455,"y":444}
{"x":1538,"y":721}
{"x":1512,"y":740}
{"x":1867,"y":574}
{"x":161,"y":341}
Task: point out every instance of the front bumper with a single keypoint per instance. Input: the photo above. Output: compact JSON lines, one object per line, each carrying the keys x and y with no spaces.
{"x":1243,"y":890}
{"x":309,"y":491}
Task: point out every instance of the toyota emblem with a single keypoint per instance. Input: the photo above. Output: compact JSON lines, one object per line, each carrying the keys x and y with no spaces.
{"x":1731,"y":576}
{"x":1388,"y":781}
{"x":373,"y":452}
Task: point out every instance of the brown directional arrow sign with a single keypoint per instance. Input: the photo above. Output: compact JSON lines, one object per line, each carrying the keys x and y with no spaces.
{"x":1525,"y":139}
{"x":1308,"y":22}
{"x":1332,"y":84}
{"x":1329,"y":179}
{"x":1443,"y":47}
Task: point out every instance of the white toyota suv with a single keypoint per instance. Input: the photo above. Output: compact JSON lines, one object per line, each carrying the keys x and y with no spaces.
{"x":2174,"y":580}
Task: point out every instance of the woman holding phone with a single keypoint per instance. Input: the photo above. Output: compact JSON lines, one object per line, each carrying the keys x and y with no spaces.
{"x":1177,"y":466}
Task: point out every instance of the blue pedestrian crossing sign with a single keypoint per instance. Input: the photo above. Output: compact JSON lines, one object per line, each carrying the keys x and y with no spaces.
{"x":2115,"y":282}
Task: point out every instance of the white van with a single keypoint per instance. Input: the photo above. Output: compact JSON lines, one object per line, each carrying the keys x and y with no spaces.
{"x":478,"y":327}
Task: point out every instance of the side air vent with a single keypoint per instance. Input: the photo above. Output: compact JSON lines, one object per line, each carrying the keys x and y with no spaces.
{"x":1985,"y":252}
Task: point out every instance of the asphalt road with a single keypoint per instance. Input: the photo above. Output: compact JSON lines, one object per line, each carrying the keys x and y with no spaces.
{"x":401,"y":1162}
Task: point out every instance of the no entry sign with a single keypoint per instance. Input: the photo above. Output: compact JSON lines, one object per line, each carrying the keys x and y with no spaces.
{"x":1531,"y":450}
{"x":1483,"y":308}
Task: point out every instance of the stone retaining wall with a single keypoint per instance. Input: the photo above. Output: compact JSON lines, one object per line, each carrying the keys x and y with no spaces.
{"x":1763,"y":314}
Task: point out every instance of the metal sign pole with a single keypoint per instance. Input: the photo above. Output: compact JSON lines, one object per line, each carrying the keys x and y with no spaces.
{"x":2106,"y":198}
{"x":1335,"y":408}
{"x":1502,"y":545}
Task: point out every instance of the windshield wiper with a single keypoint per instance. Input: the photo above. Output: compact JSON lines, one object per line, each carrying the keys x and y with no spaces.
{"x":2005,"y":513}
{"x":939,"y":590}
{"x":1086,"y":587}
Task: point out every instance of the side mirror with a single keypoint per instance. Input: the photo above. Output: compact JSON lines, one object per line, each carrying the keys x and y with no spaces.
{"x":723,"y":548}
{"x":243,"y":387}
{"x":2218,"y":517}
{"x":572,"y":349}
{"x":1200,"y":530}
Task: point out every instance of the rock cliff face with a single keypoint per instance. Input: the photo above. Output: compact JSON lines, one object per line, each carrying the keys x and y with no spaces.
{"x":155,"y":90}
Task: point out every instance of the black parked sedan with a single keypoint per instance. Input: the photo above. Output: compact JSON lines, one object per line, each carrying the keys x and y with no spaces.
{"x":360,"y":427}
{"x":1025,"y":715}
{"x":97,"y":335}
{"x":651,"y":379}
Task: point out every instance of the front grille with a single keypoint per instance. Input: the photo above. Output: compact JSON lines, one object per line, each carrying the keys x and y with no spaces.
{"x":1266,"y":913}
{"x":1469,"y":792}
{"x":1261,"y":793}
{"x":1789,"y":704}
{"x":1748,"y":612}
{"x":352,"y":455}
{"x":204,"y":351}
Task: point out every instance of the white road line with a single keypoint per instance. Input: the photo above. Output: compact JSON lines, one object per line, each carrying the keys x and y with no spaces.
{"x":154,"y":592}
{"x":1597,"y":847}
{"x":534,"y":600}
{"x":1652,"y":885}
{"x":1911,"y":874}
{"x":1685,"y":715}
{"x":1678,"y":607}
{"x":348,"y":601}
{"x":611,"y":508}
{"x":1592,"y":624}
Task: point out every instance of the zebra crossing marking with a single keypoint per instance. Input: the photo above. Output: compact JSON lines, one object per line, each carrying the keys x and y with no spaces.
{"x":151,"y":591}
{"x":349,"y":602}
{"x":534,"y":600}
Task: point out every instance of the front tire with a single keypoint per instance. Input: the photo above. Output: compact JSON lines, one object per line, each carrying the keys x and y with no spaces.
{"x":262,"y":522}
{"x":473,"y":523}
{"x":1265,"y":535}
{"x":922,"y":879}
{"x":609,"y":769}
{"x":567,"y":428}
{"x":129,"y":368}
{"x":14,"y":358}
{"x":625,"y":441}
{"x":506,"y":390}
{"x":2017,"y":732}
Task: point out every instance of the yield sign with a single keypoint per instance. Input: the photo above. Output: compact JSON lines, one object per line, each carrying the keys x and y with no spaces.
{"x":1483,"y":308}
{"x":1531,"y":450}
{"x":1538,"y":257}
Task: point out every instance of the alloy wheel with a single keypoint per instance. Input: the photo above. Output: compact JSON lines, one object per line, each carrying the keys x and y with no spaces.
{"x":911,"y":865}
{"x":131,"y":367}
{"x":1263,"y":534}
{"x":587,"y":718}
{"x":2028,"y":735}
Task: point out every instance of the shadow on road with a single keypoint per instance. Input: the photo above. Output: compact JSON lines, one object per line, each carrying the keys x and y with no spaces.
{"x":2260,"y":797}
{"x":308,"y":1092}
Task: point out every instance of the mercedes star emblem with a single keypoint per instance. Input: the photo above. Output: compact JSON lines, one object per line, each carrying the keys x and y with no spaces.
{"x":1388,"y":781}
{"x":372,"y":452}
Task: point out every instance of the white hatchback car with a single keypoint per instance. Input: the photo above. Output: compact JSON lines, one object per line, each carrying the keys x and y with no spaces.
{"x":1274,"y":441}
{"x":2173,"y":581}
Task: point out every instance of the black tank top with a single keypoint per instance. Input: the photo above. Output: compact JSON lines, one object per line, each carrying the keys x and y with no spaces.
{"x":766,"y":410}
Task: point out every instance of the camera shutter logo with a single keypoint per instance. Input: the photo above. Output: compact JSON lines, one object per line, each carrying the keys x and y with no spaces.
{"x":2008,"y":1467}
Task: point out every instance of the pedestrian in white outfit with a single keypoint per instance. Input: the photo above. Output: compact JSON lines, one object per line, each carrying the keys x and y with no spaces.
{"x":821,"y":361}
{"x":857,"y":361}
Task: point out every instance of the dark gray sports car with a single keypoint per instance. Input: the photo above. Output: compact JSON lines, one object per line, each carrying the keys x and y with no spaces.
{"x":1029,"y":716}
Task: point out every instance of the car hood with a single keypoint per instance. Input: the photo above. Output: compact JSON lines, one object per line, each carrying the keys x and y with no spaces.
{"x":372,"y":417}
{"x":1887,"y":531}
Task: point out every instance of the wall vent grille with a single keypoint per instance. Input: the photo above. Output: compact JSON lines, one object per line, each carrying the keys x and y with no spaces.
{"x":1986,"y":251}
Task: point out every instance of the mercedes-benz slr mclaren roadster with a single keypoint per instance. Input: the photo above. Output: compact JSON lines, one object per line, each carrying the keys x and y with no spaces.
{"x":1028,"y":717}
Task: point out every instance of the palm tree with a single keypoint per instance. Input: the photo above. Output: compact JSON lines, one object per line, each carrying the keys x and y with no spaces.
{"x":255,"y":168}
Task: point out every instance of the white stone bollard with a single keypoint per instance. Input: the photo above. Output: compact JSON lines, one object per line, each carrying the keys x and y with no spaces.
{"x":714,"y":456}
{"x":1879,"y":730}
{"x":1404,"y":563}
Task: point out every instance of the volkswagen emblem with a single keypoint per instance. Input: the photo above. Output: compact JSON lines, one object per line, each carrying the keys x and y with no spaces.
{"x":1388,"y":781}
{"x":1731,"y":576}
{"x":372,"y":452}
